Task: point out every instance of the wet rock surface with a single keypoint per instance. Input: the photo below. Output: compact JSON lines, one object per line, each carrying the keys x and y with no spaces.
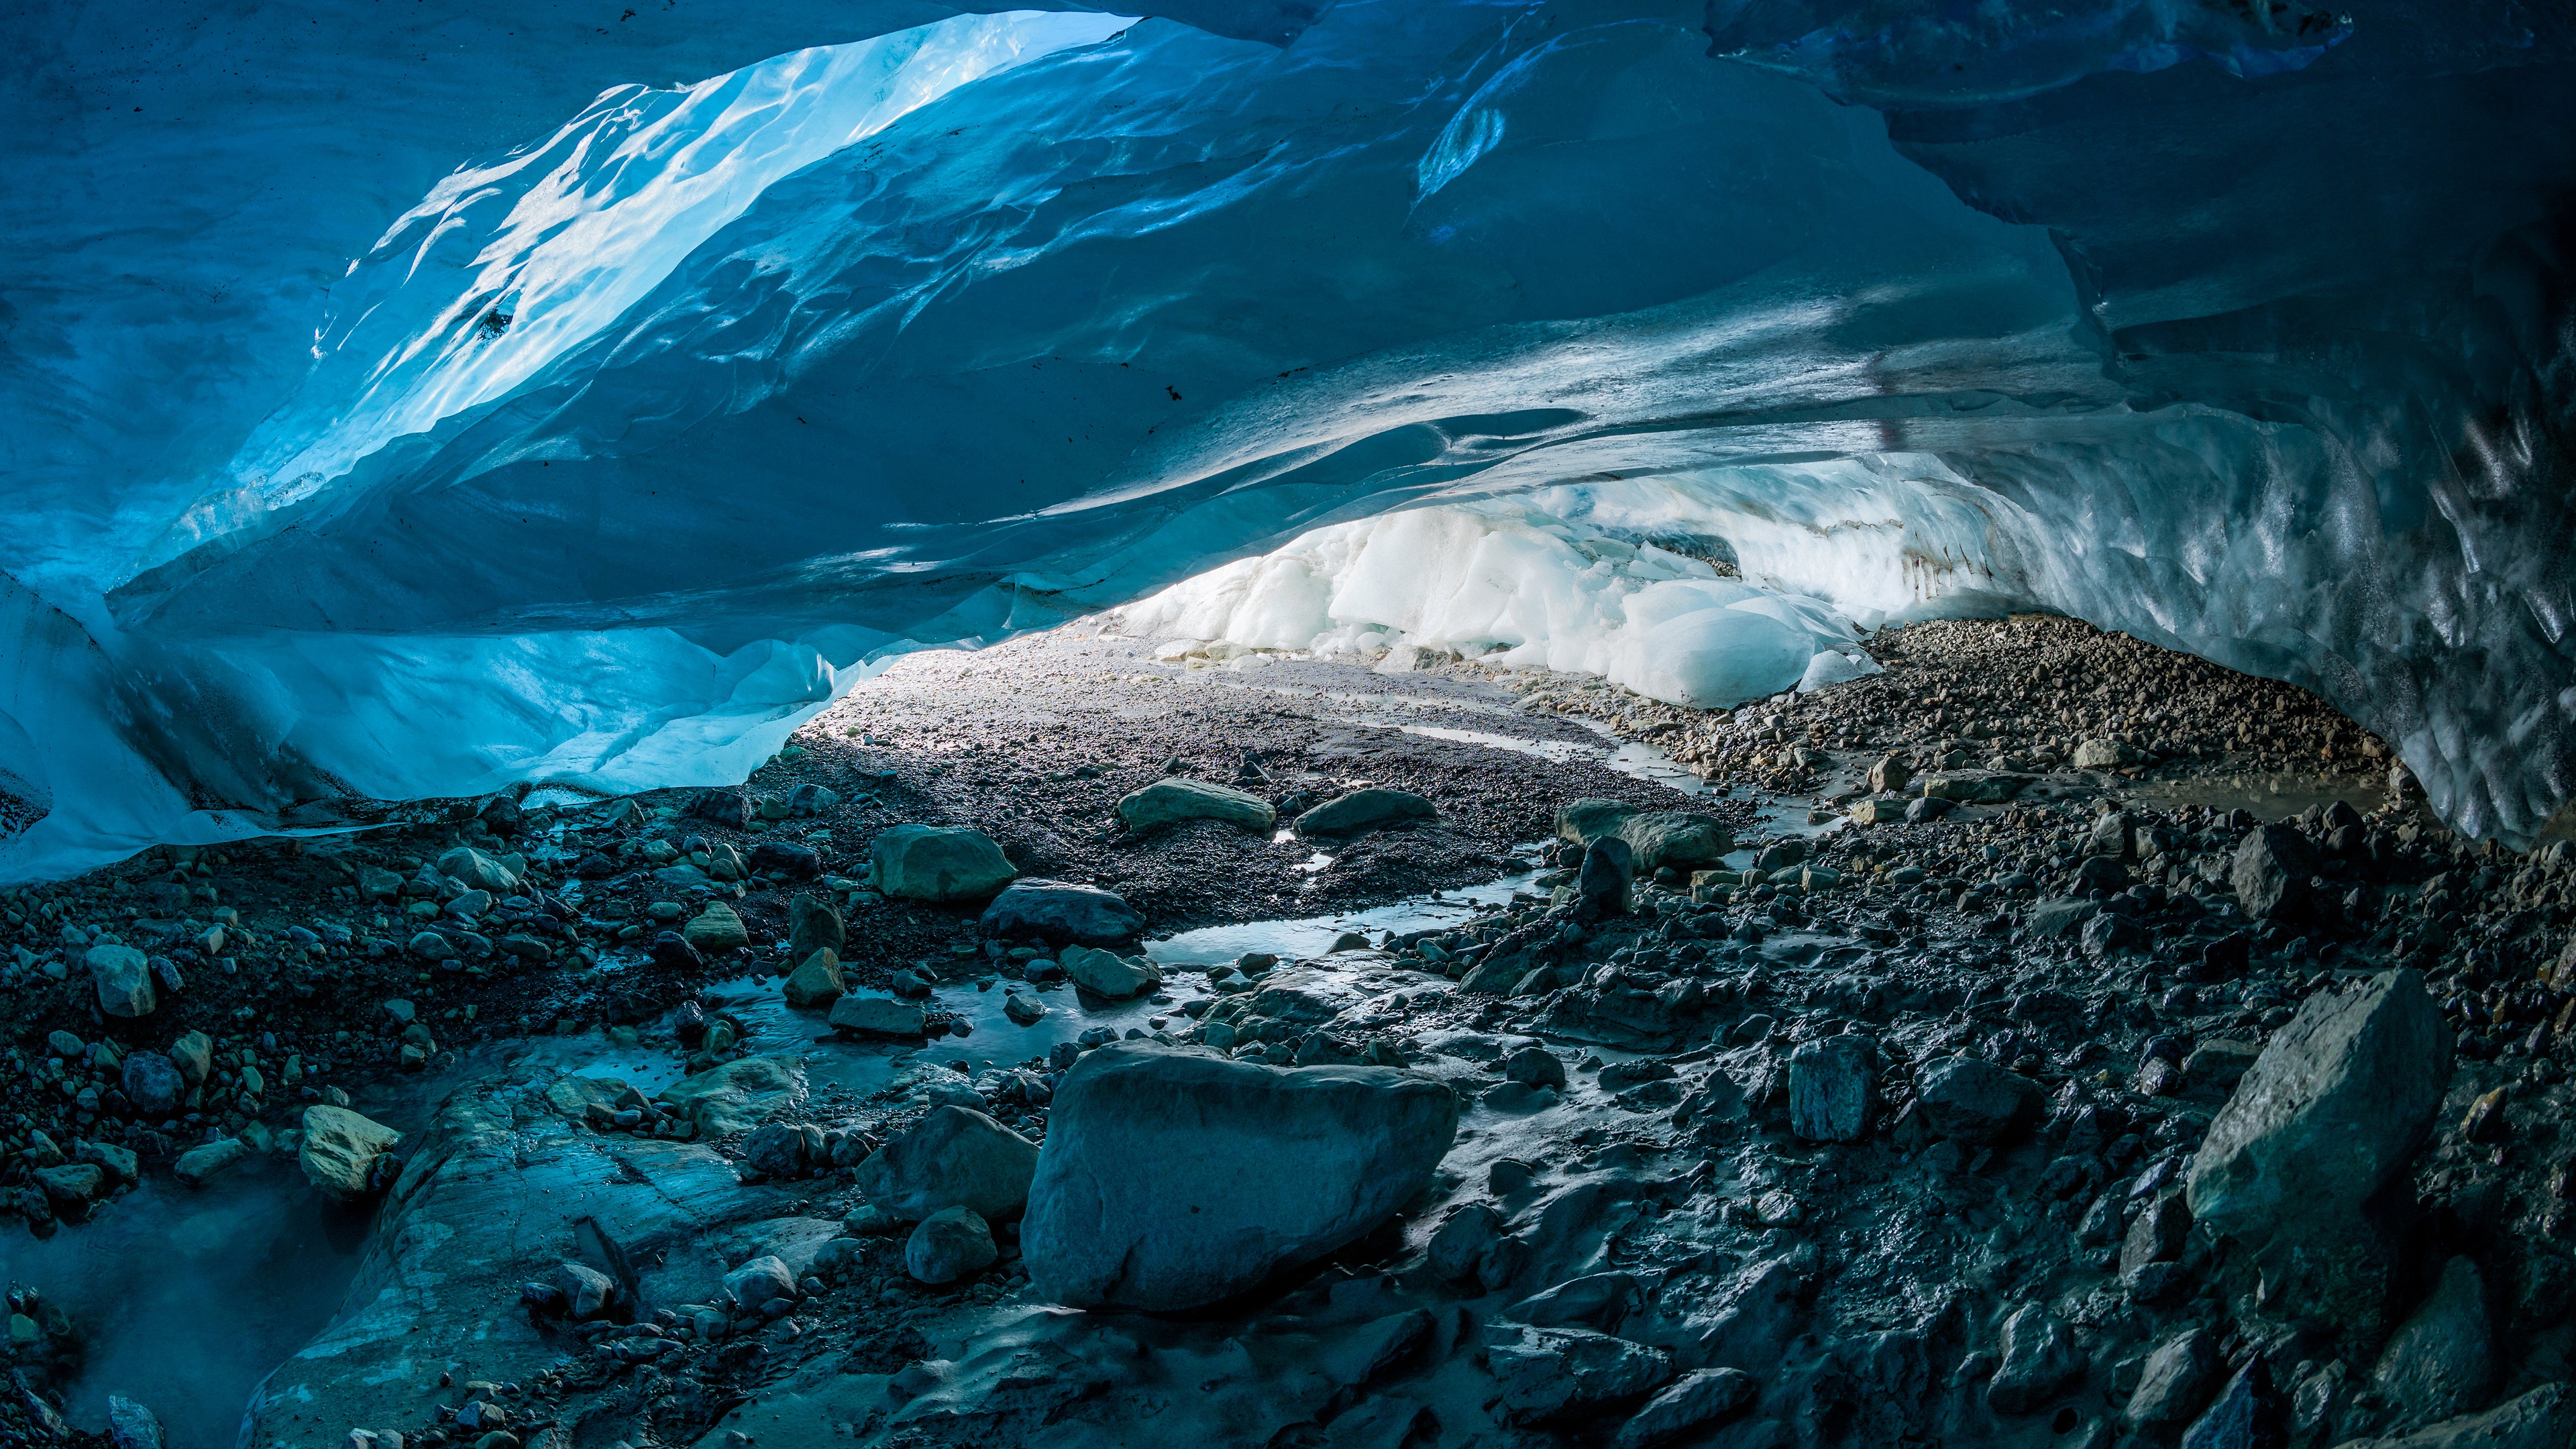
{"x":2122,"y":1100}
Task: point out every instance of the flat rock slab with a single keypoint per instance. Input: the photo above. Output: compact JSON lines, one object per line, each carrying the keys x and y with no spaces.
{"x":1171,"y":1179}
{"x":1168,"y":801}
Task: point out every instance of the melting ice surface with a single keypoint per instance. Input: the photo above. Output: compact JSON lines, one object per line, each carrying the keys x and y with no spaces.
{"x":393,"y":416}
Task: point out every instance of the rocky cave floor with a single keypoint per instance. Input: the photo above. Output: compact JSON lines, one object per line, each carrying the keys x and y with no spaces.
{"x":2140,"y":1065}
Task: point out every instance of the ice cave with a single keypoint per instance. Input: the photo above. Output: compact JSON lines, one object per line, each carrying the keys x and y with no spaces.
{"x":1528,"y":723}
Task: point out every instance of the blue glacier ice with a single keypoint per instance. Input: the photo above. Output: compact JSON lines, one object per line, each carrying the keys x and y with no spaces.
{"x":405,"y":404}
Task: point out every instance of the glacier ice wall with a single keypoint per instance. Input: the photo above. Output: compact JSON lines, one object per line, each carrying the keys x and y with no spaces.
{"x":403,"y":408}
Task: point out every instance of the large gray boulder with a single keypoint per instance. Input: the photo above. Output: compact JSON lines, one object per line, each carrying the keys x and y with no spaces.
{"x":1061,"y":914}
{"x":1174,"y":799}
{"x":2333,"y":1109}
{"x":939,"y":863}
{"x":955,"y":1157}
{"x":2039,"y":1361}
{"x":1172,"y":1179}
{"x":1682,"y":839}
{"x":1364,"y":810}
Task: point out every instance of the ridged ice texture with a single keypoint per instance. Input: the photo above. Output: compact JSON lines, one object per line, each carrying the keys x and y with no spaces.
{"x":2252,"y":337}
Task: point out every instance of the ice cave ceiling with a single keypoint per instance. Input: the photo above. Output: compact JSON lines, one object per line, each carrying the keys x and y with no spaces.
{"x":405,"y":400}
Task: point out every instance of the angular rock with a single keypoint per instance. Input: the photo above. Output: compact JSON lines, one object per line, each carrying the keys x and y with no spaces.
{"x":123,"y":977}
{"x":2219,"y":1062}
{"x":950,"y":1244}
{"x":198,"y":1164}
{"x":2103,"y":755}
{"x":1974,"y":1100}
{"x":152,"y":1083}
{"x":2156,"y":1236}
{"x":813,"y":925}
{"x":878,"y":1016}
{"x":1364,"y":810}
{"x":2108,"y":935}
{"x":2039,"y":1361}
{"x":758,"y":1281}
{"x":1024,"y":1009}
{"x":939,"y":864}
{"x":955,"y":1157}
{"x":2246,"y":1416}
{"x":1173,"y":1179}
{"x":589,"y":1295}
{"x":1889,"y":776}
{"x":816,"y":982}
{"x":2175,"y":1381}
{"x":1462,"y":1240}
{"x":785,"y":860}
{"x":194,"y":1055}
{"x":716,"y":930}
{"x":1832,"y":1087}
{"x":1174,"y":799}
{"x":2053,"y":919}
{"x":1607,"y":877}
{"x":785,"y":1149}
{"x":1113,"y":976}
{"x":1564,"y":1373}
{"x":132,"y":1426}
{"x":1060,"y":914}
{"x":340,"y":1151}
{"x":1697,"y":1401}
{"x":72,"y":1187}
{"x":2335,"y":1105}
{"x":2270,"y":871}
{"x":479,"y":871}
{"x":2441,"y":1361}
{"x":121,"y":1163}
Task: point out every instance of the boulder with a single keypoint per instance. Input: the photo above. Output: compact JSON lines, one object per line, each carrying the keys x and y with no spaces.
{"x":152,"y":1083}
{"x":1061,"y":914}
{"x":950,"y":1244}
{"x":2442,"y":1359}
{"x":1889,"y":776}
{"x":1680,"y":839}
{"x":1172,"y":1179}
{"x":1693,"y":1403}
{"x":939,"y":864}
{"x":2175,"y":1381}
{"x":2544,"y":1418}
{"x":588,"y":1294}
{"x":340,"y":1152}
{"x":123,"y":977}
{"x":758,"y":1281}
{"x":2103,"y":755}
{"x":816,"y":982}
{"x":2332,"y":1109}
{"x":878,"y":1016}
{"x":196,"y":1165}
{"x":1832,"y":1086}
{"x":1174,"y":799}
{"x":72,"y":1187}
{"x":955,"y":1157}
{"x":716,"y":930}
{"x":735,"y":1096}
{"x":1607,"y":877}
{"x":2063,"y":916}
{"x":1974,"y":1100}
{"x":813,"y":925}
{"x":479,"y":871}
{"x":1587,"y":820}
{"x":1364,"y":810}
{"x":2270,"y":871}
{"x":2039,"y":1360}
{"x":785,"y":1150}
{"x":1116,"y":977}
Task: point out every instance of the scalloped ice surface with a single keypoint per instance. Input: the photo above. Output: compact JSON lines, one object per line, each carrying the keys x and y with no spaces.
{"x":406,"y":404}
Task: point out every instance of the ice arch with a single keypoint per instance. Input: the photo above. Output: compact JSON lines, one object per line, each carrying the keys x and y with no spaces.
{"x":2288,"y":386}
